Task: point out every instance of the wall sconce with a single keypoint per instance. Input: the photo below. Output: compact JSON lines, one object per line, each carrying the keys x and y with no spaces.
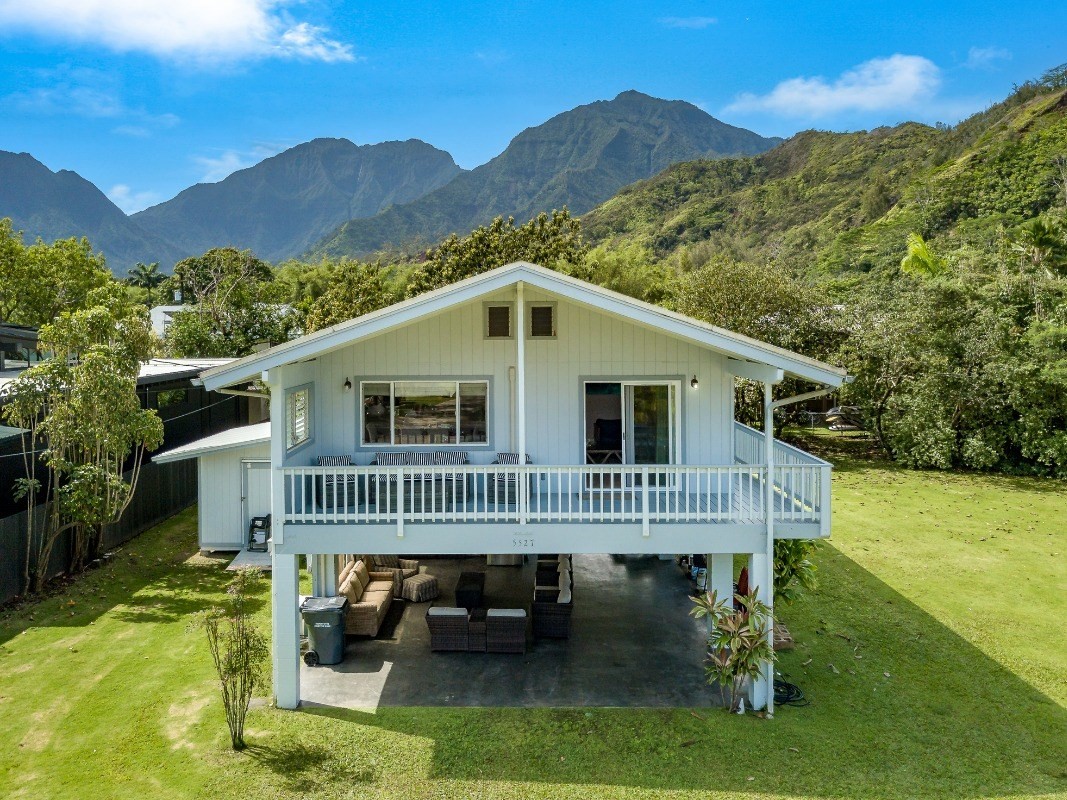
{"x":695,"y":383}
{"x":348,"y":384}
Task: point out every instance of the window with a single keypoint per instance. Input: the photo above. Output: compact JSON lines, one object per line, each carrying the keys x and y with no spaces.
{"x":425,"y":412}
{"x":497,"y":320}
{"x":543,"y":321}
{"x":297,"y":417}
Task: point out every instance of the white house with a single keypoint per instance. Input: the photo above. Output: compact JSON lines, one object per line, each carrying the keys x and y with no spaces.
{"x":625,"y":411}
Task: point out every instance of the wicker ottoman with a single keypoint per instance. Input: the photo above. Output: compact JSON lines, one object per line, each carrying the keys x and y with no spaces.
{"x":420,"y":588}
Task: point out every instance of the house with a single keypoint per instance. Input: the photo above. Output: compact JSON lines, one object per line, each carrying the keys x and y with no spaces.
{"x":624,"y":409}
{"x":162,"y":316}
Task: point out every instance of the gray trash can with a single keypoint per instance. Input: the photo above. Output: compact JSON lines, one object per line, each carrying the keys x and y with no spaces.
{"x":325,"y":621}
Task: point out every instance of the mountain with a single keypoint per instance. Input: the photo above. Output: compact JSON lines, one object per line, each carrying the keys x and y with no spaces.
{"x":284,"y":204}
{"x":843,"y":203}
{"x":58,"y":205}
{"x":579,"y":159}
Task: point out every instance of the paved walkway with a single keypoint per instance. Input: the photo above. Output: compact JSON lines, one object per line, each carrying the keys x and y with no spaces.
{"x":632,"y":644}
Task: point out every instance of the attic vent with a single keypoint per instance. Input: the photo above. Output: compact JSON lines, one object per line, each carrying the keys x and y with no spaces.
{"x":542,"y":321}
{"x":498,"y":322}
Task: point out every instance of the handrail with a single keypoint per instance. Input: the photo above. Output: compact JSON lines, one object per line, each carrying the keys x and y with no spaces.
{"x":588,"y":493}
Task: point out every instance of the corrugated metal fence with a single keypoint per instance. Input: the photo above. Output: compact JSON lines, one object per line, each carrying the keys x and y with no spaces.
{"x":162,"y":491}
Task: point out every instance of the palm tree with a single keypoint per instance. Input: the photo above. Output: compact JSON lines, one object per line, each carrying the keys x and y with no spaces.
{"x":921,"y":260}
{"x":1041,"y":244}
{"x":147,"y":276}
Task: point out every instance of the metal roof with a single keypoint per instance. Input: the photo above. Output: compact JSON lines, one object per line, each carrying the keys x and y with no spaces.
{"x":225,"y":440}
{"x":723,"y":341}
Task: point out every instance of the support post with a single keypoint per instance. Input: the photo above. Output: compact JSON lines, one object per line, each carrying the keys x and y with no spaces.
{"x":285,"y":621}
{"x":520,"y":399}
{"x":721,"y":575}
{"x":323,"y":576}
{"x":764,"y":575}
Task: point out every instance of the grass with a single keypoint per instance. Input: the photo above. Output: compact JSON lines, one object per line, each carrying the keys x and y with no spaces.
{"x":933,"y":654}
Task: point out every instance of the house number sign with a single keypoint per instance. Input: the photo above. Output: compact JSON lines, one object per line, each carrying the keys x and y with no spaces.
{"x":523,"y":542}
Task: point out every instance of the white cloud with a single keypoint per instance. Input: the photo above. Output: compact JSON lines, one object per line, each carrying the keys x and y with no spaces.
{"x":215,"y":168}
{"x":199,"y":30}
{"x":985,"y":57}
{"x":899,"y":81}
{"x":693,"y":23}
{"x":130,"y":201}
{"x":84,"y":92}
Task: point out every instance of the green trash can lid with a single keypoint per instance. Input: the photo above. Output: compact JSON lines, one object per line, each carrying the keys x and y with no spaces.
{"x":324,"y":604}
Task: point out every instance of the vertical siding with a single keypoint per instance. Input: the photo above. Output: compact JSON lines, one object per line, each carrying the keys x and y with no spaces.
{"x":591,"y":345}
{"x":220,"y":495}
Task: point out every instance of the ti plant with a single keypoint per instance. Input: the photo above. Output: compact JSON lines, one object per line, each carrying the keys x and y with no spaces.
{"x":738,"y":644}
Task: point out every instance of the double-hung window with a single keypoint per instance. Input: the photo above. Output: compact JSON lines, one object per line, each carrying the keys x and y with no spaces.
{"x":297,"y":417}
{"x":432,"y":412}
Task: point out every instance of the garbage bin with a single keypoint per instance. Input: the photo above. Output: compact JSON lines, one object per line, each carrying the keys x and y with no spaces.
{"x":325,"y":621}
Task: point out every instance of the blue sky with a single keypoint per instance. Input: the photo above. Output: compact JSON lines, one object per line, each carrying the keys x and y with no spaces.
{"x":145,"y":98}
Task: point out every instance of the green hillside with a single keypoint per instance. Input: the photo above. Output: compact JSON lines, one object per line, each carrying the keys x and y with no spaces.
{"x":577,"y":159}
{"x":844,"y":202}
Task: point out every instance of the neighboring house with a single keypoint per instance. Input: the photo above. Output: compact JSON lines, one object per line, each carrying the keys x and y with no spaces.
{"x":162,"y":316}
{"x":625,"y":409}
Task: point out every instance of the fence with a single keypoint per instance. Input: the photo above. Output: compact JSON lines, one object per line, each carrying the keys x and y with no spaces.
{"x":162,"y":491}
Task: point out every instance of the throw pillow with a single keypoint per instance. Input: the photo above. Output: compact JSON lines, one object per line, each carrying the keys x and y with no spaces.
{"x":361,"y":574}
{"x":352,"y":590}
{"x":564,"y":595}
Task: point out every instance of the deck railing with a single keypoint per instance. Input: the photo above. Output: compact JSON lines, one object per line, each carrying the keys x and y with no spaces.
{"x":801,"y":481}
{"x":536,"y":494}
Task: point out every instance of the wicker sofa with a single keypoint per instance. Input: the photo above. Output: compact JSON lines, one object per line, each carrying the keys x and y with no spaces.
{"x":419,"y":487}
{"x":369,"y":596}
{"x":553,"y":602}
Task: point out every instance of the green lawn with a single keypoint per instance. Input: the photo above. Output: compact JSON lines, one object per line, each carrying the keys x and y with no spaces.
{"x":934,"y":656}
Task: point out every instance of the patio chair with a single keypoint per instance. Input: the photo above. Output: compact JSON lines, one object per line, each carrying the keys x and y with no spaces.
{"x":552,"y":610}
{"x":336,"y":492}
{"x":505,"y":630}
{"x":401,"y":569}
{"x":448,"y":628}
{"x":501,"y":486}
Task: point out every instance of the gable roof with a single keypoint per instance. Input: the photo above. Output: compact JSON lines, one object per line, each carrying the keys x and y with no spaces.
{"x":723,"y":341}
{"x":229,"y":439}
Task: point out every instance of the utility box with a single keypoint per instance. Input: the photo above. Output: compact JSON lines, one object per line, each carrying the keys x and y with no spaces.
{"x":324,"y":618}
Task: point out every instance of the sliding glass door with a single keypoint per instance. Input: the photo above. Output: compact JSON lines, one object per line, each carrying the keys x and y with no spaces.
{"x":632,"y":422}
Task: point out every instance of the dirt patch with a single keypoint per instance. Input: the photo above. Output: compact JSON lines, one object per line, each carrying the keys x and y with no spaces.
{"x":43,"y":725}
{"x":183,"y":715}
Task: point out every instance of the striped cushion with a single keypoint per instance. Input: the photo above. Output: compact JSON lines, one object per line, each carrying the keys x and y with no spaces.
{"x":390,"y":459}
{"x":420,"y":459}
{"x":507,"y":458}
{"x":335,"y":461}
{"x":451,"y":457}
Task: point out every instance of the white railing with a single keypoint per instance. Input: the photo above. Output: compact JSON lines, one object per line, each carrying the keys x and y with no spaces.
{"x":801,"y":481}
{"x":524,"y":494}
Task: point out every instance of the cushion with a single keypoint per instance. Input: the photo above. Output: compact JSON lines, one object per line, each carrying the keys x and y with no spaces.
{"x":446,"y":611}
{"x":390,"y":459}
{"x":564,"y":595}
{"x":450,"y":457}
{"x":352,"y":590}
{"x":361,"y":574}
{"x":379,"y":597}
{"x":507,"y":458}
{"x":345,"y":572}
{"x":565,"y":560}
{"x":420,"y":459}
{"x":388,"y":562}
{"x":379,"y":586}
{"x":565,"y":579}
{"x":335,"y":461}
{"x":506,"y":612}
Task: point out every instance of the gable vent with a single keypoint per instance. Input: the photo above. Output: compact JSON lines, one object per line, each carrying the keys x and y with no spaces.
{"x":543,"y":321}
{"x":498,"y":322}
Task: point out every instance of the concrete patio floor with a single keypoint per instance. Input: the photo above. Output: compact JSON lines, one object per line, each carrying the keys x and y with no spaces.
{"x":632,"y":644}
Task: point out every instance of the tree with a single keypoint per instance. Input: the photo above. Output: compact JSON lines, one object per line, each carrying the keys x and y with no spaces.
{"x":235,"y":306}
{"x":81,"y":413}
{"x":551,"y":241}
{"x":39,"y":282}
{"x":921,"y":260}
{"x":1041,"y":244}
{"x":238,"y":649}
{"x":147,"y":276}
{"x":356,"y":289}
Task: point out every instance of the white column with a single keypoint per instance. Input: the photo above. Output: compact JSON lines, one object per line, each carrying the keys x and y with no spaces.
{"x":285,"y":617}
{"x":721,"y":575}
{"x":323,"y":575}
{"x":761,"y":570}
{"x":761,"y":694}
{"x":520,"y":392}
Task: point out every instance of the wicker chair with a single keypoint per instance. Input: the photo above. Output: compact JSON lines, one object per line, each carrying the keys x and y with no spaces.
{"x":505,"y":630}
{"x":401,"y":568}
{"x":448,"y":628}
{"x":552,"y":618}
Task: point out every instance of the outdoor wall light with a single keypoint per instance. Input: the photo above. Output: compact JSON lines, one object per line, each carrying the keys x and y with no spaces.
{"x":695,"y":383}
{"x":348,"y":384}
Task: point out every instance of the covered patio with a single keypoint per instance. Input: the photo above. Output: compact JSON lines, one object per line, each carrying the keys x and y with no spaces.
{"x":632,"y":644}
